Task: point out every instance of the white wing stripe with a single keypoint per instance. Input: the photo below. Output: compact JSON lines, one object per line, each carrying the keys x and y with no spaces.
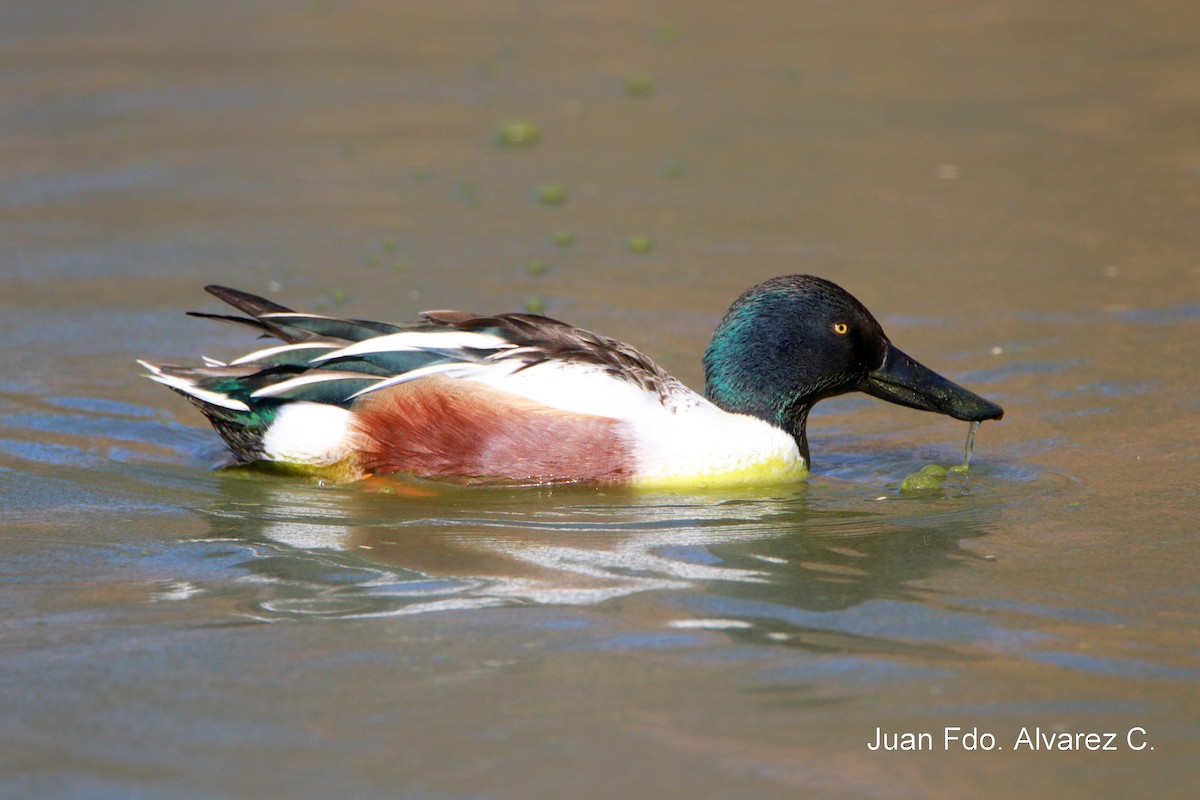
{"x":518,"y":351}
{"x":267,"y":352}
{"x":187,"y":387}
{"x":304,"y":380}
{"x":415,"y":340}
{"x":412,"y":375}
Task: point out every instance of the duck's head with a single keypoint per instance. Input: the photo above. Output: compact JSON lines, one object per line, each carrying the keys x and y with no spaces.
{"x":791,"y":341}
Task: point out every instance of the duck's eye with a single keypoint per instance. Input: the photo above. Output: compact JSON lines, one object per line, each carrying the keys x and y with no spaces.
{"x":841,"y":328}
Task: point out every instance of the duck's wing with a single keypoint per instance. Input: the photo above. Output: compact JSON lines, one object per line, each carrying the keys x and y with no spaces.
{"x":335,"y":361}
{"x":527,"y":341}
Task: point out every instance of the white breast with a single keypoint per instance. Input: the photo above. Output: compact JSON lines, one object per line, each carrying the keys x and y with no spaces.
{"x":701,"y":445}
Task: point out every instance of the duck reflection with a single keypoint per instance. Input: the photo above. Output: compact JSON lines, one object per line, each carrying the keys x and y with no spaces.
{"x":722,"y":561}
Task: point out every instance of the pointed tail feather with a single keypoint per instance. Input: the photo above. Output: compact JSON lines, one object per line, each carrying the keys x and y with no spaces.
{"x":241,"y":426}
{"x":178,"y":380}
{"x":245,"y":302}
{"x":291,"y":326}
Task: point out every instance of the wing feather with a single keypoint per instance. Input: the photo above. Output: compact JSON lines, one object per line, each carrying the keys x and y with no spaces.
{"x":330,"y":360}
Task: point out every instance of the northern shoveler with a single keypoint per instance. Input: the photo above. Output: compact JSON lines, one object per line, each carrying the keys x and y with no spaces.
{"x":526,"y":399}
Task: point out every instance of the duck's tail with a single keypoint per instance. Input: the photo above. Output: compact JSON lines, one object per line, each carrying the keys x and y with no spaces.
{"x":216,"y":393}
{"x":244,"y":399}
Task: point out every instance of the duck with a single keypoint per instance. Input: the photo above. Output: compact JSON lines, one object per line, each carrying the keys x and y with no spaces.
{"x":522,"y":398}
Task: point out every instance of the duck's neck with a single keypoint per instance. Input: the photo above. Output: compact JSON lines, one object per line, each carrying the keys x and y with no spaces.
{"x":796,"y":424}
{"x":757,"y":363}
{"x":734,"y":391}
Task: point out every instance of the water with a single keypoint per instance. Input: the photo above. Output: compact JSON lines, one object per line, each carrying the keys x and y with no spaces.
{"x":1012,"y":191}
{"x":969,"y":450}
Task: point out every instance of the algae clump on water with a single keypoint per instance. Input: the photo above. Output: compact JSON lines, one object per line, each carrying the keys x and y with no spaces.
{"x":929,"y":478}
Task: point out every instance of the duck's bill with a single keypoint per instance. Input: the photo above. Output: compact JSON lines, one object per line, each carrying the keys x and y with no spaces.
{"x":909,"y":383}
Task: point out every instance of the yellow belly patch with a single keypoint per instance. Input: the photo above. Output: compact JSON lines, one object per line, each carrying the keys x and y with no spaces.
{"x":762,"y":473}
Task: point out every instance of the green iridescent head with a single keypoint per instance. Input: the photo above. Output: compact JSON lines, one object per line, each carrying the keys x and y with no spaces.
{"x":794,"y":340}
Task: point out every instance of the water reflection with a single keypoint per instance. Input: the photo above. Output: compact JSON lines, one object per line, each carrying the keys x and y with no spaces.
{"x":794,"y":555}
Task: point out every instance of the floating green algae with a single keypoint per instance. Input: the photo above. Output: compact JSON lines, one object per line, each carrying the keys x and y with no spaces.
{"x":639,"y":244}
{"x":666,"y":33}
{"x":519,"y":133}
{"x":562,"y":238}
{"x":639,"y":85}
{"x":537,"y":267}
{"x":920,"y":482}
{"x":929,"y":478}
{"x":551,"y":194}
{"x":535,"y":304}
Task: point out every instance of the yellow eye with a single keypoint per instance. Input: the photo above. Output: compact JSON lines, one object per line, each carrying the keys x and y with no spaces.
{"x":841,"y":328}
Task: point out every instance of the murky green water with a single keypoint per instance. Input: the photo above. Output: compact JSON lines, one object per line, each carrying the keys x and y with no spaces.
{"x":1013,"y":190}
